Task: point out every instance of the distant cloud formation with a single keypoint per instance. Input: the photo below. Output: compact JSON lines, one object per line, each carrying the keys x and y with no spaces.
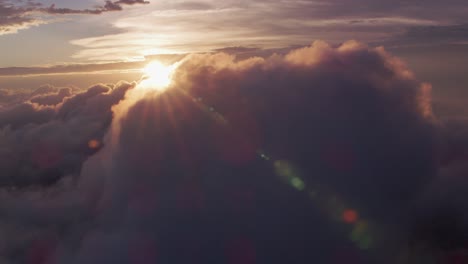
{"x":130,"y":2}
{"x":321,"y":154}
{"x":435,"y":35}
{"x":16,"y":15}
{"x":45,"y":134}
{"x":14,"y":18}
{"x":285,"y":24}
{"x":90,"y":67}
{"x":109,"y":6}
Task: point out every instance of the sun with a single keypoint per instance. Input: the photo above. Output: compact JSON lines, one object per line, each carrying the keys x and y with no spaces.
{"x":157,"y":76}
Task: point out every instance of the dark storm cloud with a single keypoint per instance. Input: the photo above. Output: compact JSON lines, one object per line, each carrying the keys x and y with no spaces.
{"x":16,"y":15}
{"x":195,"y":174}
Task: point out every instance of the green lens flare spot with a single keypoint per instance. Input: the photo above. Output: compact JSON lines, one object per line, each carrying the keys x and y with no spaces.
{"x":298,"y":184}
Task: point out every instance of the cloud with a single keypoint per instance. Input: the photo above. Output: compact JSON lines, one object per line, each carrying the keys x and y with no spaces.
{"x":322,"y":153}
{"x":109,"y":6}
{"x":434,"y":35}
{"x":52,"y":99}
{"x":131,"y":2}
{"x":431,"y":9}
{"x":89,"y":67}
{"x":350,"y":119}
{"x":236,"y":23}
{"x":17,"y":15}
{"x":47,"y":135}
{"x":441,"y":220}
{"x":14,"y":18}
{"x":284,"y":24}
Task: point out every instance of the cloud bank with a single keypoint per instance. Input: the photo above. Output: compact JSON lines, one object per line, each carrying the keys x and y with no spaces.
{"x":323,"y":154}
{"x":46,"y":134}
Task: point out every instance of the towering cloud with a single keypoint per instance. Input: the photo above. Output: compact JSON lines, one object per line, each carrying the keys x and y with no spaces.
{"x":318,"y":155}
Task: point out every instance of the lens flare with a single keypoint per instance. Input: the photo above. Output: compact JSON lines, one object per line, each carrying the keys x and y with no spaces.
{"x":350,"y":216}
{"x":157,"y":76}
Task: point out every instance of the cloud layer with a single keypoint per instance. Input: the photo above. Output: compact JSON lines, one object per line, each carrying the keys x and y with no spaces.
{"x":321,"y":154}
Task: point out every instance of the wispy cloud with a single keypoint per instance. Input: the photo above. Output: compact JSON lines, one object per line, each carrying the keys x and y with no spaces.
{"x":14,"y":18}
{"x":16,"y":15}
{"x":176,"y":26}
{"x":88,"y":68}
{"x":108,"y":6}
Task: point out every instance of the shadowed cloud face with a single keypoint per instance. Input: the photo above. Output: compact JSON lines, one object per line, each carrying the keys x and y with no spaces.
{"x":256,"y":161}
{"x":334,"y":112}
{"x":322,"y":154}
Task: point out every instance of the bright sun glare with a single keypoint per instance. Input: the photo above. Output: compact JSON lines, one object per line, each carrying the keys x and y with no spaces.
{"x":157,"y":76}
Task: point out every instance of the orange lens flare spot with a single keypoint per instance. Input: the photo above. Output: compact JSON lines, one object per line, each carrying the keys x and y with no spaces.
{"x":94,"y":144}
{"x":350,"y":216}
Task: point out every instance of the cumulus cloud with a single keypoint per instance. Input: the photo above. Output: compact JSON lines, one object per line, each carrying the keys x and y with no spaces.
{"x":47,"y":134}
{"x":264,"y":160}
{"x":439,"y":227}
{"x":442,"y":220}
{"x":131,"y":2}
{"x":52,"y":99}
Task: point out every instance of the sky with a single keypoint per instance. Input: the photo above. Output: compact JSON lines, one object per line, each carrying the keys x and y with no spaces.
{"x":288,"y":131}
{"x":420,"y":32}
{"x":193,"y":26}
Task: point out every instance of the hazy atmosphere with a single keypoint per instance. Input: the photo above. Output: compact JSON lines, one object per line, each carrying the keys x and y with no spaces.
{"x":237,"y":132}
